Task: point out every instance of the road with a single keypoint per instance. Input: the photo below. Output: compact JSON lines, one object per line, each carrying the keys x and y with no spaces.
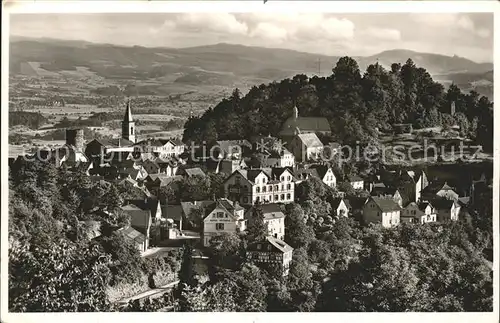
{"x":155,"y":292}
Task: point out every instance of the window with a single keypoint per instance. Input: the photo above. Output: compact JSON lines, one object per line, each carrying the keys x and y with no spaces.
{"x":282,"y":197}
{"x":288,"y":178}
{"x":288,"y":196}
{"x":276,"y":187}
{"x":219,"y":226}
{"x":282,"y":187}
{"x":264,"y":180}
{"x":257,"y":189}
{"x":288,"y":186}
{"x":276,"y":197}
{"x":264,"y":189}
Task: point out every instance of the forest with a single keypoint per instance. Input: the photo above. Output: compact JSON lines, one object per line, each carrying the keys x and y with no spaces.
{"x":337,"y":265}
{"x":357,"y":105}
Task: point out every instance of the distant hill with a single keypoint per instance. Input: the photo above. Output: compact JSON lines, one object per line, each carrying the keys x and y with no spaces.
{"x":220,"y":64}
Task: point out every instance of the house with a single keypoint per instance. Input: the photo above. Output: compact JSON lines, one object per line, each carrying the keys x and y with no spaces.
{"x":439,"y":189}
{"x":160,"y":166}
{"x":136,"y":237}
{"x":270,"y":251}
{"x":447,"y":210}
{"x":232,"y":149}
{"x":326,"y":174}
{"x":99,"y":148}
{"x":191,"y":172}
{"x":388,"y":192}
{"x":223,"y":216}
{"x":144,"y":216}
{"x":248,"y":186}
{"x":67,"y":155}
{"x":412,"y":213}
{"x":306,"y":146}
{"x":302,"y":125}
{"x":303,"y":174}
{"x":137,"y":174}
{"x":192,"y":212}
{"x":274,"y":219}
{"x":339,"y":207}
{"x":174,"y":214}
{"x":275,"y":158}
{"x":381,"y":210}
{"x":411,"y":183}
{"x":227,"y":166}
{"x":156,"y":181}
{"x":356,"y":182}
{"x":162,"y":147}
{"x":428,"y":210}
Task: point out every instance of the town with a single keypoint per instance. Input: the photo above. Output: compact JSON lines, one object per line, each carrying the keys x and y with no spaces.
{"x":258,"y":178}
{"x":250,"y":162}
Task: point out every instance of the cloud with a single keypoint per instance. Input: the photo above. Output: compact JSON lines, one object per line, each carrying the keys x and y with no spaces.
{"x":483,"y":33}
{"x":214,"y":22}
{"x":382,"y":33}
{"x":269,"y":31}
{"x":465,"y":23}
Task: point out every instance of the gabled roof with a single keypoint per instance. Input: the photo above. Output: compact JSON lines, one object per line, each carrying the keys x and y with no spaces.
{"x":270,"y":211}
{"x":275,"y":245}
{"x":310,"y":140}
{"x":383,"y":191}
{"x":173,"y":212}
{"x":132,"y":235}
{"x":320,"y":169}
{"x":196,"y":171}
{"x":225,"y":145}
{"x":423,"y":205}
{"x":224,"y":204}
{"x":414,"y":207}
{"x":335,"y":203}
{"x":316,"y":124}
{"x":354,"y":178}
{"x":115,"y":142}
{"x":187,"y":207}
{"x":386,"y":204}
{"x":443,"y":204}
{"x":435,"y":187}
{"x":304,"y":173}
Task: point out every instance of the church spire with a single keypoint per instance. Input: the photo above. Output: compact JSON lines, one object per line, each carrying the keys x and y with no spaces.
{"x":128,"y":113}
{"x":128,"y":124}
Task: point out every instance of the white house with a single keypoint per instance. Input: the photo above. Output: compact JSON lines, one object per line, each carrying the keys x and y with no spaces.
{"x":223,"y":216}
{"x":381,"y":210}
{"x":262,"y":185}
{"x":274,"y":219}
{"x":306,"y":146}
{"x":326,"y":174}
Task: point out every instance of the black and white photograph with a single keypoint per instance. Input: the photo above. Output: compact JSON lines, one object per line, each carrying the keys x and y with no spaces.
{"x":269,"y":160}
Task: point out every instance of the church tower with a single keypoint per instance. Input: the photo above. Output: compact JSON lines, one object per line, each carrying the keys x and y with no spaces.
{"x":128,"y":124}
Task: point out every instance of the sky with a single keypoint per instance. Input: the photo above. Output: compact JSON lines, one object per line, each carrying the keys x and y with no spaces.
{"x":467,"y":35}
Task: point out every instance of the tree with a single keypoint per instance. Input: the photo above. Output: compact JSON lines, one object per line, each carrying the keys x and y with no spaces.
{"x":297,"y":233}
{"x":61,"y":277}
{"x":257,"y":228}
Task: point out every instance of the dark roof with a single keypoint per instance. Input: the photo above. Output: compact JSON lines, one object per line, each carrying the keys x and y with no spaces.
{"x":173,"y":212}
{"x":304,"y":173}
{"x":320,"y":169}
{"x":274,"y":244}
{"x":415,"y":207}
{"x":133,"y":235}
{"x":435,"y":187}
{"x":270,"y":211}
{"x":354,"y":178}
{"x":423,"y":205}
{"x":355,"y":203}
{"x":336,"y":202}
{"x":128,"y":113}
{"x":383,"y":191}
{"x":315,"y":124}
{"x":310,"y":140}
{"x":194,"y":172}
{"x":115,"y":142}
{"x":386,"y":204}
{"x":224,"y":204}
{"x":442,"y":203}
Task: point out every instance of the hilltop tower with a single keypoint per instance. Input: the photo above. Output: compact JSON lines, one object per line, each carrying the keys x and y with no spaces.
{"x":128,"y":124}
{"x":295,"y":112}
{"x":75,"y":137}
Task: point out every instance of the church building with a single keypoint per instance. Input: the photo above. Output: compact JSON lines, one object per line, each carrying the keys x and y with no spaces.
{"x":301,"y":125}
{"x":128,"y":125}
